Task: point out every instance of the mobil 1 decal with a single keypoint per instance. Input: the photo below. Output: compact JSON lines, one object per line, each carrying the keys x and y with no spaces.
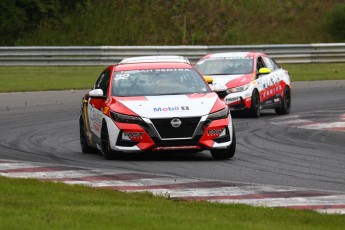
{"x":171,"y":109}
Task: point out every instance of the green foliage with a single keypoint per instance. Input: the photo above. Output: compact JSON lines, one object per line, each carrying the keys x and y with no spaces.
{"x":19,"y":17}
{"x":335,"y":21}
{"x":164,"y":22}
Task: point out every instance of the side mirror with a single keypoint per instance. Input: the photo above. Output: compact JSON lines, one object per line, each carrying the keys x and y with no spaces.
{"x":208,"y":79}
{"x":264,"y":71}
{"x":96,"y":93}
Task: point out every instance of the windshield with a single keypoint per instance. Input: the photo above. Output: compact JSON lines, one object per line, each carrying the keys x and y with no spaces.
{"x":151,"y":82}
{"x":225,"y":66}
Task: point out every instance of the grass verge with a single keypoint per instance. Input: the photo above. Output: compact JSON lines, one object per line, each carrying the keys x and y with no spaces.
{"x":316,"y":71}
{"x":32,"y":204}
{"x":43,"y":78}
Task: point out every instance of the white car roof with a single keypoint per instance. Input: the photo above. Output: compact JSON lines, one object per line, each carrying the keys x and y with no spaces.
{"x":159,"y":58}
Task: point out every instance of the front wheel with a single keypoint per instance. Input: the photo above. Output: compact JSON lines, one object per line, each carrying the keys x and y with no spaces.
{"x":221,"y":154}
{"x":285,"y":105}
{"x":85,"y":148}
{"x":106,"y":150}
{"x":254,"y":110}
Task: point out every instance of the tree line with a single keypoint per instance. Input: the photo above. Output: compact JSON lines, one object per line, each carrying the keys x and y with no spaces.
{"x":170,"y":22}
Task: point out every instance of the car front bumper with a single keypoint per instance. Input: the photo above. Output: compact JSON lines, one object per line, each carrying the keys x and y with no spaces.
{"x":125,"y":137}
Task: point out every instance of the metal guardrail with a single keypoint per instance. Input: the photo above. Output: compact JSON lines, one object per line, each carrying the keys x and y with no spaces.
{"x":107,"y":55}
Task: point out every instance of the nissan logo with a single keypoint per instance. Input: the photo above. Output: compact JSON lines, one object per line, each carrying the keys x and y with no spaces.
{"x":175,"y":122}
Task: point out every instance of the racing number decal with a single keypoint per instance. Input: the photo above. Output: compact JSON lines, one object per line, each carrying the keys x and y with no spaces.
{"x":121,"y":76}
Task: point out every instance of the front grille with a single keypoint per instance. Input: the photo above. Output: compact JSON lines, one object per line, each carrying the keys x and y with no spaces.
{"x":186,"y":129}
{"x":182,"y":142}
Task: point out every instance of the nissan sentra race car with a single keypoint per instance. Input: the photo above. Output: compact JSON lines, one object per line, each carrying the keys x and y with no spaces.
{"x":254,"y":81}
{"x":155,"y":106}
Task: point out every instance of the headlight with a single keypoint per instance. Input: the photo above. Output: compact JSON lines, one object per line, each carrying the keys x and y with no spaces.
{"x":238,"y":89}
{"x":221,"y":114}
{"x":125,"y":118}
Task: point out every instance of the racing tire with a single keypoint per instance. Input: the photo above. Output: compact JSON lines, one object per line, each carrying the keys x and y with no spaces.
{"x":222,"y":154}
{"x":106,"y":150}
{"x":254,"y":110}
{"x":85,"y":148}
{"x":285,"y":105}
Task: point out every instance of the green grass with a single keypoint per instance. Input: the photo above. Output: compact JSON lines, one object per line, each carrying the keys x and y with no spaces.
{"x":316,"y":71}
{"x":39,"y":78}
{"x":32,"y":204}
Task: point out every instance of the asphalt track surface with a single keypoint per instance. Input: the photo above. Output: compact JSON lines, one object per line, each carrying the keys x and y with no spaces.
{"x":303,"y":149}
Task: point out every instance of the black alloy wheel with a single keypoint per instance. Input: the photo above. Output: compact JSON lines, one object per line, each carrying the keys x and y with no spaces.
{"x":105,"y":143}
{"x":85,"y":148}
{"x":285,"y":105}
{"x":254,"y":110}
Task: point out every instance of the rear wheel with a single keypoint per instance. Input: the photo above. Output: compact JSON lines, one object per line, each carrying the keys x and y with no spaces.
{"x":106,"y":150}
{"x":221,"y":154}
{"x":254,"y":110}
{"x":285,"y":105}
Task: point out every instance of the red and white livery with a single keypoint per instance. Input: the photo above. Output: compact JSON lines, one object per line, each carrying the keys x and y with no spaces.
{"x":158,"y":105}
{"x":254,"y":81}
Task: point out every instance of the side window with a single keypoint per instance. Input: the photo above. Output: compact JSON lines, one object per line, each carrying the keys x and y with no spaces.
{"x":100,"y":78}
{"x":260,"y":64}
{"x":276,"y":66}
{"x":269,"y":63}
{"x":103,"y":82}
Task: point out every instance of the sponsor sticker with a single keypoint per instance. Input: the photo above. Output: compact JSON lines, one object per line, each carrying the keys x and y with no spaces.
{"x":232,"y":99}
{"x":152,"y":70}
{"x":171,"y":109}
{"x":229,"y":58}
{"x":133,"y":135}
{"x":215,"y":132}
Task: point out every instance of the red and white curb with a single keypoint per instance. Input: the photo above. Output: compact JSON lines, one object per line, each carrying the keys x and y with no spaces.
{"x":295,"y":121}
{"x":182,"y":188}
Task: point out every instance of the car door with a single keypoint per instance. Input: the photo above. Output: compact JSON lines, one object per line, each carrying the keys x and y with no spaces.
{"x":267,"y":82}
{"x":96,"y":104}
{"x":278,"y":73}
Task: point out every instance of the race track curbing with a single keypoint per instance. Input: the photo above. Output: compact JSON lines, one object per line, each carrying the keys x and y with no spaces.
{"x":189,"y":189}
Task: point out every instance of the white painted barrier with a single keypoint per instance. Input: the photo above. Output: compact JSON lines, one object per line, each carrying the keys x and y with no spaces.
{"x":107,"y":55}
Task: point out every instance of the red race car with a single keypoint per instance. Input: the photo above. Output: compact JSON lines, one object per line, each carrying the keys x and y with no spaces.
{"x":155,"y":104}
{"x":254,"y":81}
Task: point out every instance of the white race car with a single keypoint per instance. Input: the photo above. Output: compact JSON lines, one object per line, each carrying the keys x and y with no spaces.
{"x":254,"y":81}
{"x":145,"y":105}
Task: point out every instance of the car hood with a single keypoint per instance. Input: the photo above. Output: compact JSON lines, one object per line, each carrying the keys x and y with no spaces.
{"x":232,"y":80}
{"x":171,"y":105}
